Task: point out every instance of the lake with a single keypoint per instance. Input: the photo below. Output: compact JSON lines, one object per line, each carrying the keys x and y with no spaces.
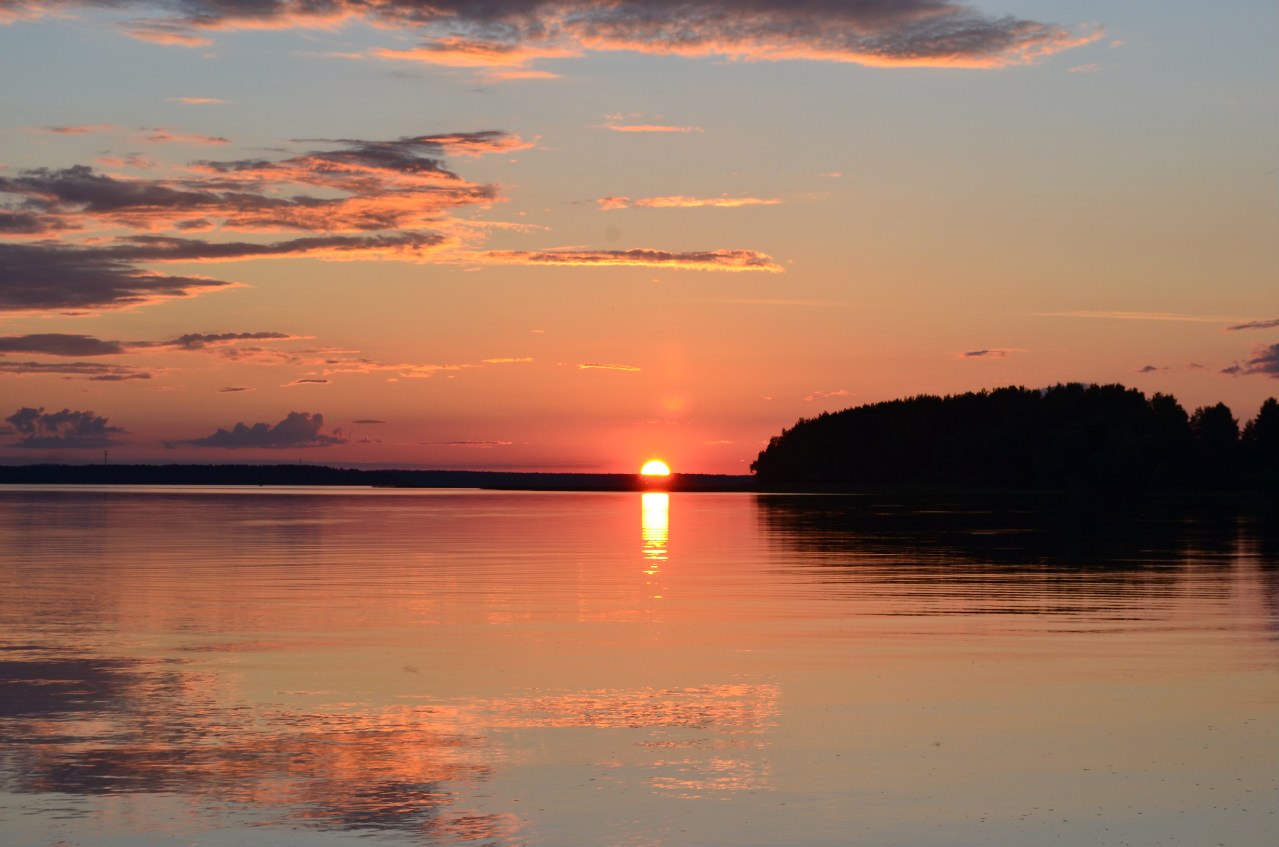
{"x":291,"y":666}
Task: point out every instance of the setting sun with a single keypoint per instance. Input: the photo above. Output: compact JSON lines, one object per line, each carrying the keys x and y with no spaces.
{"x":655,"y":467}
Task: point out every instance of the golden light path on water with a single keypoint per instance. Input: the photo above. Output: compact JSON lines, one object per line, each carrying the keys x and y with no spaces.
{"x":655,"y":528}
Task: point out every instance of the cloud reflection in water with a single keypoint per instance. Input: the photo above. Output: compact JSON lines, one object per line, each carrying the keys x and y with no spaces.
{"x":116,"y":727}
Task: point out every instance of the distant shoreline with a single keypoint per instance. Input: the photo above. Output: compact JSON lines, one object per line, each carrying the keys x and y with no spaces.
{"x":321,"y":476}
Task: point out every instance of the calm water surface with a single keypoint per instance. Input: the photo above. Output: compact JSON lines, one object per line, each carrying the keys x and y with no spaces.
{"x":293,"y":666}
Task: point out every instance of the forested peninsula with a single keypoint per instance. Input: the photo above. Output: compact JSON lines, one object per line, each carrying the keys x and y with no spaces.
{"x":1071,"y":436}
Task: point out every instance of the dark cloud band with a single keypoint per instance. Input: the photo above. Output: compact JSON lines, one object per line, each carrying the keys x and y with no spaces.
{"x":507,"y":33}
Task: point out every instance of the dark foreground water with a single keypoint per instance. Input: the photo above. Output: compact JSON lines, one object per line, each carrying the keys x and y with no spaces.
{"x":305,"y":667}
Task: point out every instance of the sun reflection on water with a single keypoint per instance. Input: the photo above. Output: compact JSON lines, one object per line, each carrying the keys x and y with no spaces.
{"x":655,"y":524}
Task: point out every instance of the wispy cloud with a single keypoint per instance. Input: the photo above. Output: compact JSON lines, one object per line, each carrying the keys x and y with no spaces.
{"x":636,"y":123}
{"x":1136,"y":316}
{"x":203,"y":340}
{"x":482,"y":445}
{"x":516,"y":75}
{"x":64,"y":344}
{"x":198,"y":101}
{"x":58,"y":344}
{"x":767,"y":301}
{"x":67,"y":428}
{"x":477,"y":53}
{"x":164,"y":135}
{"x":989,"y":353}
{"x":678,"y":201}
{"x":1270,"y":324}
{"x":600,"y":366}
{"x":82,"y":129}
{"x":234,"y":389}
{"x":133,"y":160}
{"x":306,"y":381}
{"x":929,"y":33}
{"x":90,"y":371}
{"x":706,"y":260}
{"x":825,"y":395}
{"x":1264,"y":361}
{"x":298,"y":429}
{"x":162,"y":32}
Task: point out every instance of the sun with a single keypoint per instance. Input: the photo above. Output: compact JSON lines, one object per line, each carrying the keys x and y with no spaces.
{"x":655,"y":467}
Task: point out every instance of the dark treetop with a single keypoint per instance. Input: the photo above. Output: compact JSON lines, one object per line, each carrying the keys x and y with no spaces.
{"x":1100,"y":437}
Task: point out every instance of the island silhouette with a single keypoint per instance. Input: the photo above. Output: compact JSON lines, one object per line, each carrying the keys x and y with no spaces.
{"x":1068,"y":436}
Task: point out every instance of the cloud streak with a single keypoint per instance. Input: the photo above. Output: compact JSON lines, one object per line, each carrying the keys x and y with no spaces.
{"x":990,"y":353}
{"x":82,"y":129}
{"x":164,"y":135}
{"x":64,"y":344}
{"x":1270,"y":324}
{"x":90,"y":371}
{"x":706,"y":260}
{"x":600,"y":366}
{"x":1135,"y":316}
{"x":59,"y":344}
{"x":657,"y":128}
{"x":679,"y":201}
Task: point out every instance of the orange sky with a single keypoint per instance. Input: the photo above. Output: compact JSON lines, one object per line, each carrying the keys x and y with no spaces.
{"x":573,"y":236}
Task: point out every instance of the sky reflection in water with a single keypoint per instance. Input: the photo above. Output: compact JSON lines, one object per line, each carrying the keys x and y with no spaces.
{"x":481,"y":668}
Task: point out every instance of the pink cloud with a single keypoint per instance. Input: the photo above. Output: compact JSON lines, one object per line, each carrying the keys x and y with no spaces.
{"x":705,"y":260}
{"x":82,"y":129}
{"x":679,"y":201}
{"x":163,"y":135}
{"x":651,"y":128}
{"x":171,"y":35}
{"x":464,"y":53}
{"x":599,"y":366}
{"x":516,"y":75}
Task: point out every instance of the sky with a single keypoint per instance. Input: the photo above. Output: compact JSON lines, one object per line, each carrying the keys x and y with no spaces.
{"x":572,"y":236}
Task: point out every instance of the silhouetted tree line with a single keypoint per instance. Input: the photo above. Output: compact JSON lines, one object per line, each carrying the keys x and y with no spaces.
{"x":1068,"y":436}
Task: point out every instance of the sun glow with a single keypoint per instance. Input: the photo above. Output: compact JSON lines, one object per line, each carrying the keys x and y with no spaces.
{"x":655,"y":467}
